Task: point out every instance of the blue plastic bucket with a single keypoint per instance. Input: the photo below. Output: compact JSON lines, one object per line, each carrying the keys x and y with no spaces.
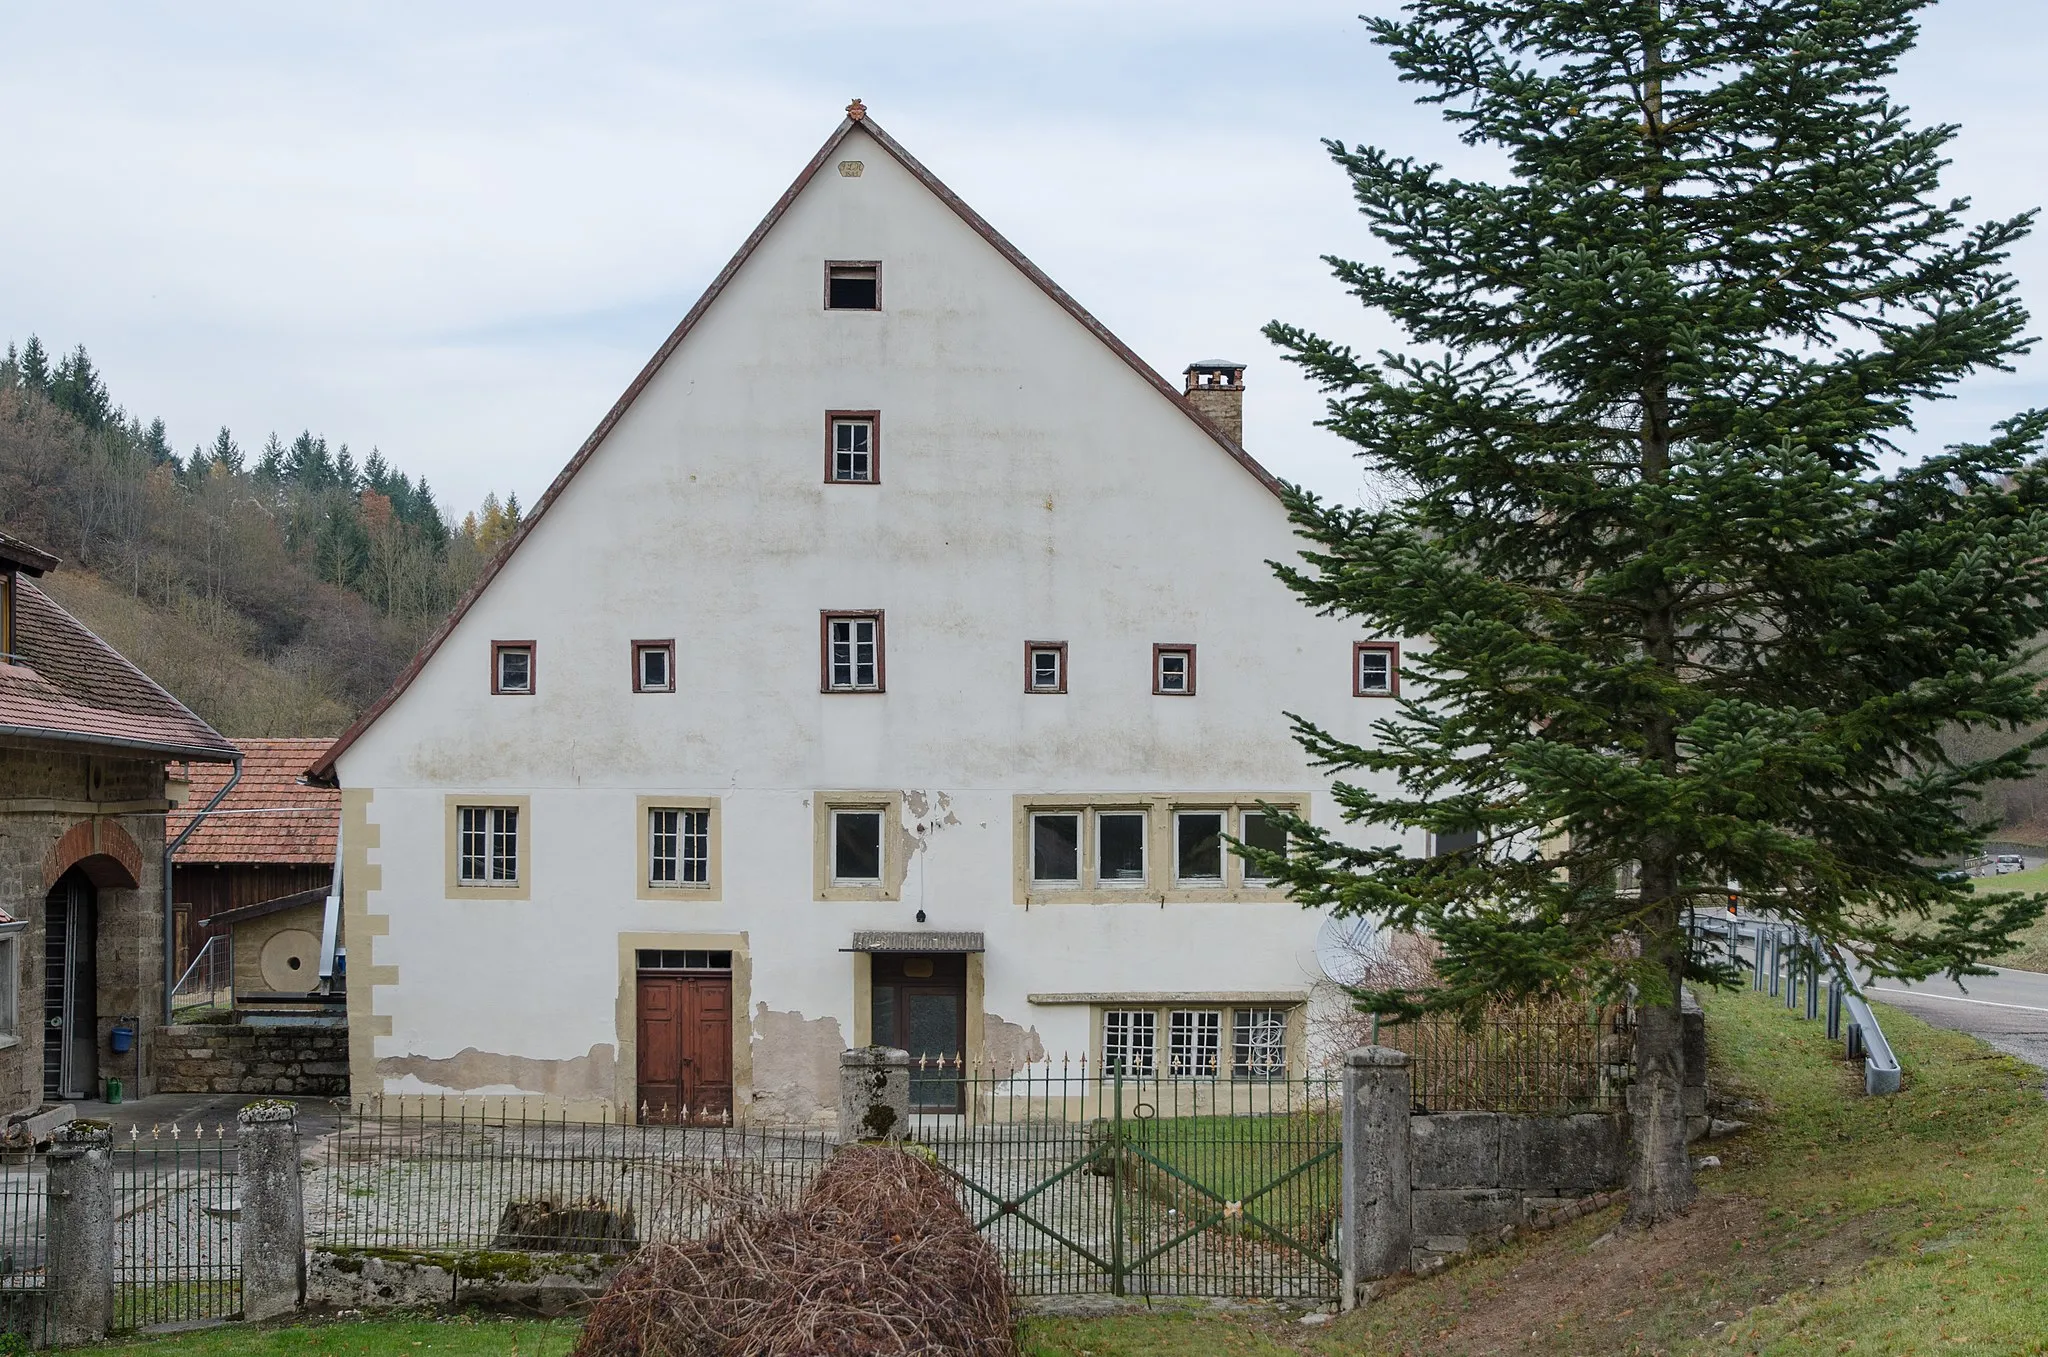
{"x":122,"y":1039}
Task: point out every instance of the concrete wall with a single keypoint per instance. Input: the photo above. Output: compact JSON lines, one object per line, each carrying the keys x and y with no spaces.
{"x":60,"y":806}
{"x":230,"y":1058}
{"x":1473,"y":1174}
{"x":1033,"y":488}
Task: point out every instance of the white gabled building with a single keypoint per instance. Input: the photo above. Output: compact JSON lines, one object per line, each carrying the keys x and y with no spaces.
{"x":882,"y":669}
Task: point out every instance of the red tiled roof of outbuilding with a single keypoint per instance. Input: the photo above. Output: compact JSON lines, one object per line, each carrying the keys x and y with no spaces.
{"x":64,"y":683}
{"x":270,"y":816}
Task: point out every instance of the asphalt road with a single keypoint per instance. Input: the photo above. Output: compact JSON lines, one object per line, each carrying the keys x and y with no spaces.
{"x":2008,"y":1009}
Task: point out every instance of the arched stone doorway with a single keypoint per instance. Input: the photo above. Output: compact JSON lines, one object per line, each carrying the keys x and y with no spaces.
{"x":71,"y":986}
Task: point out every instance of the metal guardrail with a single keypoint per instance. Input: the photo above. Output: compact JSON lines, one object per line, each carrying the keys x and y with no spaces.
{"x":1789,"y":963}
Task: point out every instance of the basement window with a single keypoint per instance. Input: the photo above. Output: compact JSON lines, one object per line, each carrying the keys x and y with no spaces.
{"x":512,"y":667}
{"x":1130,"y":1041}
{"x":853,"y":286}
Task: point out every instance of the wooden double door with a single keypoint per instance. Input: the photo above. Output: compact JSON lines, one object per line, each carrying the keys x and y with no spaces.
{"x":685,"y":1048}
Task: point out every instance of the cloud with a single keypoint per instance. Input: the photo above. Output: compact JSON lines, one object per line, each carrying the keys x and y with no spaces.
{"x":456,"y":231}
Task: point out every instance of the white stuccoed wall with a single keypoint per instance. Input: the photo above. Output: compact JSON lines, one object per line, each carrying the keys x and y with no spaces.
{"x":1033,"y":488}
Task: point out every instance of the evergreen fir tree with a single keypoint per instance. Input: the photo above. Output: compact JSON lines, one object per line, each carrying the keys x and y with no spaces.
{"x":156,"y":444}
{"x":226,"y":453}
{"x":1680,"y":634}
{"x":78,"y":389}
{"x":35,"y":366}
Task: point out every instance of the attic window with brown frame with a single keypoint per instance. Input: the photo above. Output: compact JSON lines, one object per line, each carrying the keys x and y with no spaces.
{"x":1376,"y":669}
{"x":1173,"y":670}
{"x":654,"y":666}
{"x":853,"y":285}
{"x":512,"y":668}
{"x":1045,"y":666}
{"x":853,"y":447}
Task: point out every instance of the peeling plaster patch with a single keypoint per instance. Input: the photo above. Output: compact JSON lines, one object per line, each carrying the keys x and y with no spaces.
{"x":472,"y":1071}
{"x":796,"y":1068}
{"x":925,"y":814}
{"x":1008,"y":1047}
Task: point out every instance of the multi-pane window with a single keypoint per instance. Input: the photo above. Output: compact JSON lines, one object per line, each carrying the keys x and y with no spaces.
{"x":1198,"y":846}
{"x":488,"y":845}
{"x":1056,"y":848}
{"x":854,"y":460}
{"x":1258,"y":1047}
{"x":654,"y":666}
{"x":512,"y":666}
{"x":1194,"y":1042}
{"x":1045,"y":667}
{"x":678,"y":847}
{"x":853,"y":652}
{"x":1262,"y":831}
{"x":1377,"y":668}
{"x":1173,"y":671}
{"x":10,"y":981}
{"x":856,"y":847}
{"x":1120,"y":847}
{"x":1130,"y":1041}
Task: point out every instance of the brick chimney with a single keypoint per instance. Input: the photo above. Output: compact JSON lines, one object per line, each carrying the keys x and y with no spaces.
{"x":1216,"y":388}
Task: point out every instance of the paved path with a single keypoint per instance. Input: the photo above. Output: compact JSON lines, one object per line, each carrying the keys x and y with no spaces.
{"x":2008,"y":1009}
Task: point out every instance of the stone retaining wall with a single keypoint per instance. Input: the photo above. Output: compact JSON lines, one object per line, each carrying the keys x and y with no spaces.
{"x":1474,"y":1175}
{"x":232,"y":1058}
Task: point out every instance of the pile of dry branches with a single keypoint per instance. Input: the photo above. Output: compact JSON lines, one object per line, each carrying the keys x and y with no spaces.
{"x":877,"y":1258}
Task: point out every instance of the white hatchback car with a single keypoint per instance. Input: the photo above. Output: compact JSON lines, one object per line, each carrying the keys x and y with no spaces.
{"x":2009,"y":863}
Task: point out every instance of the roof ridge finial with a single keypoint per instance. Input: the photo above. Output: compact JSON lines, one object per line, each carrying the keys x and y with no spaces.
{"x":856,"y":110}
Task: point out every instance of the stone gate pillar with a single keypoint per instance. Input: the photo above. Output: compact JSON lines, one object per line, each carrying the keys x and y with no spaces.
{"x":1378,"y":1228}
{"x":273,"y":1216}
{"x":79,"y":1263}
{"x":874,"y":1093}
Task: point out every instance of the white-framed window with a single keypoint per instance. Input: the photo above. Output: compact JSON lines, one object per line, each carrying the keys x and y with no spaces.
{"x":1056,"y":848}
{"x":1258,"y":1046}
{"x":852,"y":660}
{"x":654,"y":666}
{"x":856,"y":846}
{"x":1376,"y":669}
{"x":855,"y":454}
{"x":488,"y":844}
{"x":10,"y":982}
{"x":678,"y":847}
{"x":1198,"y":847}
{"x":1120,"y":847}
{"x":512,"y":667}
{"x":1130,"y":1041}
{"x":1173,"y":670}
{"x":1264,"y":832}
{"x":1194,"y":1043}
{"x":1045,"y":667}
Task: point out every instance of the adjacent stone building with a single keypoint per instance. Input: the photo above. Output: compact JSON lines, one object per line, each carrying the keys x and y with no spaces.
{"x":86,"y":740}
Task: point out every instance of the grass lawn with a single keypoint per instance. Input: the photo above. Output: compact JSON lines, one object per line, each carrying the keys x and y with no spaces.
{"x":362,"y":1338}
{"x":1839,"y":1224}
{"x":2030,"y":951}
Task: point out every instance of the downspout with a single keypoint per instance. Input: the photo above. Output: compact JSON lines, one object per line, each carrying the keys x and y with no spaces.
{"x":330,"y":927}
{"x":170,"y":910}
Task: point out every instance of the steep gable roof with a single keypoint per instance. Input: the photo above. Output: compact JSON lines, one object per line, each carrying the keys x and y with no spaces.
{"x":67,"y":684}
{"x":856,"y":119}
{"x":270,"y":816}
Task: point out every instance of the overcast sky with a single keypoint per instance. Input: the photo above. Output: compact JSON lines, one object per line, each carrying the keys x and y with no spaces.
{"x":456,"y":231}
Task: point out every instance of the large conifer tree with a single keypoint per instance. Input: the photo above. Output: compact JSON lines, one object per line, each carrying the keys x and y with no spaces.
{"x":1685,"y":628}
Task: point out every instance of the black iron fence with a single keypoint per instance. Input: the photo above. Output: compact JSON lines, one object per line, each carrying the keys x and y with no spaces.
{"x":24,"y":1203}
{"x":463,"y":1175}
{"x":177,"y":1257}
{"x":1134,"y":1183}
{"x":1542,"y":1061}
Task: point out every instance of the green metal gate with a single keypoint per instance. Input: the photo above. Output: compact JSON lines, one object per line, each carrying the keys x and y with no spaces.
{"x":1138,"y":1185}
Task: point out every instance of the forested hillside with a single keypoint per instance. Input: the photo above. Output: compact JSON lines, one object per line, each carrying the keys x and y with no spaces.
{"x":276,"y":591}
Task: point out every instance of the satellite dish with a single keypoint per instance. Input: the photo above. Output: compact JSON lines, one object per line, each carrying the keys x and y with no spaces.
{"x":1344,"y":946}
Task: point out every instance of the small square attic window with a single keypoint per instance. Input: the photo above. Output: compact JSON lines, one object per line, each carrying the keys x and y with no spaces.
{"x":853,"y":286}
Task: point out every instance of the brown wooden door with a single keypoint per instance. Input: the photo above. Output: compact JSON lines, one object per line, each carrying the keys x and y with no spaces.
{"x":685,"y":1049}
